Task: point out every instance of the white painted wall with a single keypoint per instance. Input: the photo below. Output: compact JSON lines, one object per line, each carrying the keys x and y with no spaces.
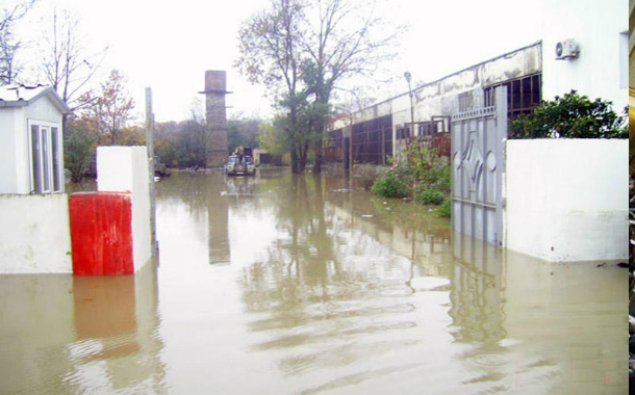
{"x":567,"y":199}
{"x":598,"y":71}
{"x":35,"y":234}
{"x":125,"y":169}
{"x":15,"y":169}
{"x":8,"y":172}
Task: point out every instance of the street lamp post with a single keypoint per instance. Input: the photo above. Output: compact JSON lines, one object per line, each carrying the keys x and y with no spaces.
{"x":408,"y":78}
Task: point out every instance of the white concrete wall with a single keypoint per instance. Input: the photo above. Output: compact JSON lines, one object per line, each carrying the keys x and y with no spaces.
{"x":35,"y":234}
{"x":567,"y":199}
{"x":125,"y":169}
{"x":8,"y":172}
{"x":597,"y":27}
{"x":23,"y":153}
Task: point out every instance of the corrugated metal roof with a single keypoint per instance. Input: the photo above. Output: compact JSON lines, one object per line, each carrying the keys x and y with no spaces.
{"x":19,"y":95}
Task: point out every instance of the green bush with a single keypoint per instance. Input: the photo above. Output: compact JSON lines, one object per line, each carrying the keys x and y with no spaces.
{"x":443,"y":179}
{"x":430,"y":196}
{"x":570,"y":116}
{"x":445,"y":210}
{"x":390,"y":186}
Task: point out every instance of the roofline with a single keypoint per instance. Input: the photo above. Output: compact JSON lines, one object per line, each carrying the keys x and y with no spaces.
{"x":535,"y":44}
{"x":48,"y":91}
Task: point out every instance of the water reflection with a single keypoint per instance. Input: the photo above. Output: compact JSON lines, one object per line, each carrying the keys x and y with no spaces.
{"x":65,"y":334}
{"x":315,"y":287}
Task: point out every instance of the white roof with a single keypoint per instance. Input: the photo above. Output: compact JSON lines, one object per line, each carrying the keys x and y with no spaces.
{"x":18,"y":96}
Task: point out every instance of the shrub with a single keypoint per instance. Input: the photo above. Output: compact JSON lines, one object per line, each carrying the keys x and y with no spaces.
{"x":443,"y":179}
{"x":390,"y":186}
{"x":572,"y":116}
{"x":430,"y":196}
{"x":445,"y":210}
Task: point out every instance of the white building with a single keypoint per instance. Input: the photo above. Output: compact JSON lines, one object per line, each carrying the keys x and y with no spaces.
{"x":31,"y":140}
{"x":599,"y":29}
{"x":594,"y":41}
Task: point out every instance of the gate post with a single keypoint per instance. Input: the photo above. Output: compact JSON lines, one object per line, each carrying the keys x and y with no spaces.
{"x":501,"y":141}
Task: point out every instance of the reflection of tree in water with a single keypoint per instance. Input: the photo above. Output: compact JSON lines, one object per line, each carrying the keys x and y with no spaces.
{"x":321,"y":293}
{"x":304,"y":257}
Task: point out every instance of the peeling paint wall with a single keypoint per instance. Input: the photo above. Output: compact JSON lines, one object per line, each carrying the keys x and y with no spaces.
{"x":441,"y":97}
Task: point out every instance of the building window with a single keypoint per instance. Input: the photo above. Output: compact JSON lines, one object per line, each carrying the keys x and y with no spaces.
{"x":46,"y":157}
{"x":466,"y":101}
{"x":523,"y":94}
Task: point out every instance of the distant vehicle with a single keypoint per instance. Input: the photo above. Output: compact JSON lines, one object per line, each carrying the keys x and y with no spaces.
{"x":160,"y":169}
{"x":240,"y":165}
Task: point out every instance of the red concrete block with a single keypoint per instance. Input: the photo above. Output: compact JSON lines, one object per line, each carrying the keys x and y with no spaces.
{"x":101,"y":233}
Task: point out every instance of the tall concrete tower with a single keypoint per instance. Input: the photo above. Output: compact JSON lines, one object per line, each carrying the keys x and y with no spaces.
{"x":215,"y":91}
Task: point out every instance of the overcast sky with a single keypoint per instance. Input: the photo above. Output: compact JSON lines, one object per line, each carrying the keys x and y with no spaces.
{"x":168,"y":45}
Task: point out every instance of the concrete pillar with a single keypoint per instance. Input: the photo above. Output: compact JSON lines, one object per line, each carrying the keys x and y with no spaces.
{"x":215,"y":91}
{"x":125,"y":169}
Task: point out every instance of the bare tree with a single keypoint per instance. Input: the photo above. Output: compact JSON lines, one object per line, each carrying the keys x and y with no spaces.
{"x":67,"y":66}
{"x":345,"y":40}
{"x":271,"y":54}
{"x":111,"y":109}
{"x":310,"y":47}
{"x":9,"y":45}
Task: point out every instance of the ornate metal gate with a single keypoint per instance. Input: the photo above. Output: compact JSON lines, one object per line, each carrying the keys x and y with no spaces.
{"x":478,"y":163}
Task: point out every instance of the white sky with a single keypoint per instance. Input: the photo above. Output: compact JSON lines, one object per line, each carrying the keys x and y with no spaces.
{"x":168,"y":45}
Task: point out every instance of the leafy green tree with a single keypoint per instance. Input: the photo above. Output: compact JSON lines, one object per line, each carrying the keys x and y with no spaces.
{"x":570,"y":116}
{"x":242,"y":132}
{"x":80,"y":141}
{"x":272,"y":137}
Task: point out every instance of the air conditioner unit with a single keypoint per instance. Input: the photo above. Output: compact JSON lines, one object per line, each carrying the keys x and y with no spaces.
{"x":567,"y":49}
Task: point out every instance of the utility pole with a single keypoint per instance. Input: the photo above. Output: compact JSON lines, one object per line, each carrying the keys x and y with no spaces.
{"x":408,"y":78}
{"x":149,"y":126}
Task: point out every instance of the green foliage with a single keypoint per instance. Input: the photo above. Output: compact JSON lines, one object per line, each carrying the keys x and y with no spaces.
{"x":242,"y":132}
{"x":273,"y":137}
{"x":423,"y":171}
{"x":390,"y":186}
{"x":445,"y":210}
{"x":430,"y":196}
{"x":570,"y":116}
{"x":182,"y":144}
{"x":425,"y":163}
{"x":79,"y":148}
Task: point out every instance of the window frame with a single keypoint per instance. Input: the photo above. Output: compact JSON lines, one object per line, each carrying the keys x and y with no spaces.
{"x":50,"y":173}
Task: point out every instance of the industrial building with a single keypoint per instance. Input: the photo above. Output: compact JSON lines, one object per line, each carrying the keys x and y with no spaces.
{"x":584,"y":47}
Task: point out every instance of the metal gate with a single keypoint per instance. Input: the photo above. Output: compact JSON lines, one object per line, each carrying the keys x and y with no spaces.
{"x":478,"y":163}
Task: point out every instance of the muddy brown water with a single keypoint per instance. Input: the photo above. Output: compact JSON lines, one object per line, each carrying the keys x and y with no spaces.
{"x":301,"y":285}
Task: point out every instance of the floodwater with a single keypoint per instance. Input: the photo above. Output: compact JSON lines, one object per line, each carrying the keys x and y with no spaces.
{"x":300,"y":285}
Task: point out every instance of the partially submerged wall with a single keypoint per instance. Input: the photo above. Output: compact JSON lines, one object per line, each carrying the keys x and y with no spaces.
{"x":125,"y":169}
{"x":567,"y":199}
{"x":34,"y":234}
